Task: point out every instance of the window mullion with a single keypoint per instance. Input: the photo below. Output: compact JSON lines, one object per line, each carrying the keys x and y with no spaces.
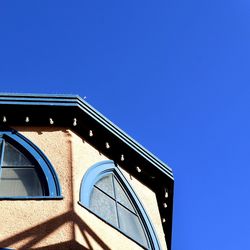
{"x":104,"y":192}
{"x":127,"y":208}
{"x":2,"y":154}
{"x":116,"y":206}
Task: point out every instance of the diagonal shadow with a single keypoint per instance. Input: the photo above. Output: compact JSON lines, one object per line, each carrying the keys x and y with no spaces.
{"x":41,"y":231}
{"x":36,"y":234}
{"x":63,"y":246}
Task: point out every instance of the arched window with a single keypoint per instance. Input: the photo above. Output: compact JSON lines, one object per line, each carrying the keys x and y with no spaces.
{"x":106,"y":192}
{"x":25,"y":172}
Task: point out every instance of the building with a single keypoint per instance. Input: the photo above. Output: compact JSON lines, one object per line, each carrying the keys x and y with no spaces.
{"x":70,"y":179}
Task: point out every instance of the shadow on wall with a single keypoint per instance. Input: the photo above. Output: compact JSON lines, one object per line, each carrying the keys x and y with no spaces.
{"x":28,"y":239}
{"x":38,"y":233}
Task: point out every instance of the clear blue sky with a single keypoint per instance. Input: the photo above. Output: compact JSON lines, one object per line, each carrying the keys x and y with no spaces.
{"x":175,"y":75}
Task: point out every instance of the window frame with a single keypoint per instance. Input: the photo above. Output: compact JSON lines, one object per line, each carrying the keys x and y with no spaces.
{"x":46,"y":173}
{"x":101,"y":169}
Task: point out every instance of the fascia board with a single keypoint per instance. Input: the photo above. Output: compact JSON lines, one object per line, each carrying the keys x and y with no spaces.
{"x":76,"y":101}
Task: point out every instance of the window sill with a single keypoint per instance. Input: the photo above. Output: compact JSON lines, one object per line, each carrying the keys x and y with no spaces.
{"x":31,"y":198}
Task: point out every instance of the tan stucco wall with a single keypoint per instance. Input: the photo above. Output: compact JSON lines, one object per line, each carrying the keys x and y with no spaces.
{"x":54,"y":221}
{"x":24,"y":222}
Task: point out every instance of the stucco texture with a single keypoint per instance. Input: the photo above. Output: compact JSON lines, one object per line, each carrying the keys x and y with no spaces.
{"x":64,"y":224}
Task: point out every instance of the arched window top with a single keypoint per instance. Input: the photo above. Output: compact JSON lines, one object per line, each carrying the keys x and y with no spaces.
{"x":106,"y":192}
{"x":25,"y":172}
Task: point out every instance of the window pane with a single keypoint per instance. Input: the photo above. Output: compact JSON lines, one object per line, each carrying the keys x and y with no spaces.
{"x":131,"y":225}
{"x":103,"y":206}
{"x":121,"y":196}
{"x":13,"y":157}
{"x":106,"y":185}
{"x":20,"y":182}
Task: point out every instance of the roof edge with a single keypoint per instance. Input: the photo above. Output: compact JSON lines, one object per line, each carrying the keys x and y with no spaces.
{"x":76,"y":100}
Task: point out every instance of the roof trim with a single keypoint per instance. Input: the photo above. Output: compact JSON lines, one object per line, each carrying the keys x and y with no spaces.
{"x":76,"y":101}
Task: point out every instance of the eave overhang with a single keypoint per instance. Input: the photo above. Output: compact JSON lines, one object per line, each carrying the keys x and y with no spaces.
{"x":72,"y":112}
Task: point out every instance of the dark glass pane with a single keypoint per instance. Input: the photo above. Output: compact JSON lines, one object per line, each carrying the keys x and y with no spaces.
{"x":106,"y":185}
{"x":20,"y":182}
{"x":13,"y":157}
{"x":130,"y":224}
{"x":121,"y":196}
{"x":103,"y":206}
